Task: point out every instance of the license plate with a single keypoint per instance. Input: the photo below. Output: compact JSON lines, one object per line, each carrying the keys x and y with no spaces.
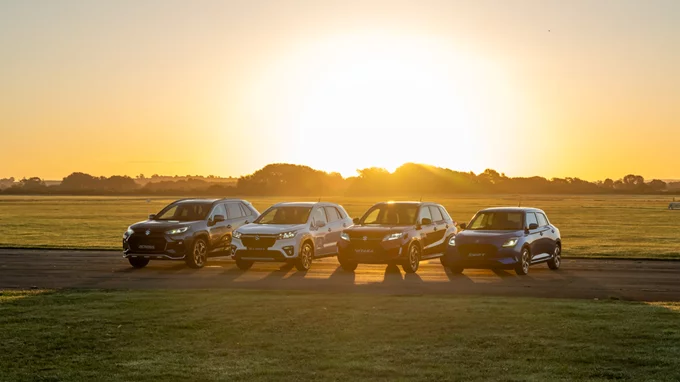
{"x":475,"y":255}
{"x":145,"y":246}
{"x":257,"y":249}
{"x":364,"y":251}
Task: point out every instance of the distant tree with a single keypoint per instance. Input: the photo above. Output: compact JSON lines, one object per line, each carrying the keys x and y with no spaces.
{"x":657,"y":185}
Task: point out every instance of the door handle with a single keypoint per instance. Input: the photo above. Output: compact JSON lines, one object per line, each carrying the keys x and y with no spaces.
{"x":541,"y":233}
{"x":447,"y":226}
{"x":435,"y":228}
{"x":329,"y":230}
{"x":247,"y":222}
{"x":344,"y":225}
{"x":229,"y":226}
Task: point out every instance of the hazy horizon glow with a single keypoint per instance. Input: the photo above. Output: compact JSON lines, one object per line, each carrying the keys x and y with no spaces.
{"x":585,"y":89}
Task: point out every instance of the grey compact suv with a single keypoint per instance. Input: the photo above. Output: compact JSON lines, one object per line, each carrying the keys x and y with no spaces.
{"x":291,"y":232}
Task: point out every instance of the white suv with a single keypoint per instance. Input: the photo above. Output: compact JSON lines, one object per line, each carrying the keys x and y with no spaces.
{"x":291,"y":232}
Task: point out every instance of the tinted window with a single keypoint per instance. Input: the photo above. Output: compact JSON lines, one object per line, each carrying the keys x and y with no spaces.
{"x":185,"y":212}
{"x":531,"y":219}
{"x":436,"y":214}
{"x":218,"y":210}
{"x":245,"y":210}
{"x":497,"y":221}
{"x":234,"y":211}
{"x":332,"y":214}
{"x":340,"y":212}
{"x":542,"y":221}
{"x":284,"y":215}
{"x":319,"y":216}
{"x":391,"y":214}
{"x":424,"y":214}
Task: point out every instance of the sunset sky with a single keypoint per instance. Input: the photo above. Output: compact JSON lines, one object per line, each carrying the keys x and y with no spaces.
{"x":587,"y":89}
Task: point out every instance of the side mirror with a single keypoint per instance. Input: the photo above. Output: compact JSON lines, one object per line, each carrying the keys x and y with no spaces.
{"x":218,"y":218}
{"x":319,"y":224}
{"x":533,"y":226}
{"x":355,"y":220}
{"x":462,"y":225}
{"x":152,"y":216}
{"x":426,"y":221}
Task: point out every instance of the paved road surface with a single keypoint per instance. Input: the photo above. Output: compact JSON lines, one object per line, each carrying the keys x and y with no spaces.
{"x":603,"y":279}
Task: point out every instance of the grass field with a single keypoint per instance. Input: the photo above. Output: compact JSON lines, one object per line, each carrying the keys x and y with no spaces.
{"x":201,"y":335}
{"x":598,"y":226}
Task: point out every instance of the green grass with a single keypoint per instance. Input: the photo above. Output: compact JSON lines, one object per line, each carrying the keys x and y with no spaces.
{"x":598,"y":226}
{"x":239,"y":335}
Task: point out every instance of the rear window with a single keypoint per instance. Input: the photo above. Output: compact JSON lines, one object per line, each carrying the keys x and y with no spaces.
{"x":436,"y":214}
{"x":542,"y":221}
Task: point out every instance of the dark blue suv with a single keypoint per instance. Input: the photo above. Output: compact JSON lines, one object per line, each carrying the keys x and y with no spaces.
{"x":505,"y":238}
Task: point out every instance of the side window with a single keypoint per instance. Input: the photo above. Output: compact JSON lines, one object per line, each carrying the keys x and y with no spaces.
{"x":445,"y":214}
{"x":246,"y":211}
{"x":436,"y":214}
{"x":218,"y":210}
{"x":424,"y":213}
{"x":339,"y":211}
{"x":319,"y":216}
{"x":542,"y":221}
{"x":531,"y":219}
{"x":332,"y":214}
{"x":234,"y":211}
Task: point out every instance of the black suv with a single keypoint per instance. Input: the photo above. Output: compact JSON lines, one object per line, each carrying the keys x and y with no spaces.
{"x":397,"y":233}
{"x":189,"y":229}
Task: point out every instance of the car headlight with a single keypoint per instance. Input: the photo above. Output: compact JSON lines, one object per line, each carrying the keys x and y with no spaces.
{"x":452,"y":241}
{"x":177,"y":231}
{"x":236,"y":235}
{"x":128,"y":233}
{"x":394,"y":236}
{"x":287,"y":235}
{"x":344,"y":236}
{"x":510,"y":242}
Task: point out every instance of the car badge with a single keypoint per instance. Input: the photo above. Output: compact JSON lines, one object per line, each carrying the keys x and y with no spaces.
{"x":148,"y":232}
{"x":257,"y":237}
{"x":365,"y":238}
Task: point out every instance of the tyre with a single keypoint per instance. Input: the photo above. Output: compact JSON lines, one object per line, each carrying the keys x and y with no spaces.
{"x":456,"y":270}
{"x":304,"y":259}
{"x":348,"y":265}
{"x":522,"y":267}
{"x":556,"y":260}
{"x":413,"y":261}
{"x":199,"y":254}
{"x":244,"y":265}
{"x":138,"y":262}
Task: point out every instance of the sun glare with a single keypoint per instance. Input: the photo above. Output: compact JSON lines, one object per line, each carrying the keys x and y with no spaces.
{"x":370,"y":99}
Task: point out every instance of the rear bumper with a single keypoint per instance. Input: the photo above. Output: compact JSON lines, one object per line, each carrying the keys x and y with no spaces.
{"x":373,"y":252}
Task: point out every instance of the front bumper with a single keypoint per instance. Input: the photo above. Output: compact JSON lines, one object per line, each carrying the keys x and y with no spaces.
{"x":483,"y":257}
{"x":157,"y":246}
{"x":373,"y":251}
{"x":274,"y":250}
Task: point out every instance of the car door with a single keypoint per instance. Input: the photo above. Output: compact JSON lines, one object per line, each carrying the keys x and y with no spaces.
{"x":236,"y":214}
{"x":440,"y":227}
{"x":533,"y":236}
{"x":426,"y":230}
{"x":549,"y":237}
{"x":319,"y":231}
{"x":335,"y":227}
{"x":218,"y":231}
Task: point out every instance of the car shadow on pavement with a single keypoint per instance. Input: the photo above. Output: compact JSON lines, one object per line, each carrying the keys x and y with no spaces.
{"x":342,"y":276}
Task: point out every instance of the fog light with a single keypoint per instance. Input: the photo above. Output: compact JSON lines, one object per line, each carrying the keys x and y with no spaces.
{"x":290,"y":250}
{"x":180,"y":242}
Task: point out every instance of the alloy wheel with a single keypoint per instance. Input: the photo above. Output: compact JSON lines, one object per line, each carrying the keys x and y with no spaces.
{"x":525,"y":261}
{"x":413,"y":257}
{"x":306,"y":256}
{"x":557,"y":257}
{"x":200,"y":250}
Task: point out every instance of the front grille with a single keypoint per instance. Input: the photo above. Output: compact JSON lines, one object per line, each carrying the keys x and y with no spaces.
{"x":147,"y":244}
{"x":370,"y":236}
{"x":258,"y":241}
{"x":487,"y":249}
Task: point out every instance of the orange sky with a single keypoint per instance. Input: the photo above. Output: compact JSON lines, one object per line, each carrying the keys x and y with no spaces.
{"x":587,"y":89}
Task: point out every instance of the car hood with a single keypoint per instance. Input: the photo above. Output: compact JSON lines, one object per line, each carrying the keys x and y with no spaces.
{"x":485,"y":237}
{"x":158,"y":225}
{"x":269,"y":229}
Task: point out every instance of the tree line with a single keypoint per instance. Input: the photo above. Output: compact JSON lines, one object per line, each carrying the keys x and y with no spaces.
{"x":296,"y":180}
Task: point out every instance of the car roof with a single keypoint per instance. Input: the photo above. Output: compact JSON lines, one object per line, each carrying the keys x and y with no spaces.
{"x":513,"y":209}
{"x":303,"y":204}
{"x":208,"y":200}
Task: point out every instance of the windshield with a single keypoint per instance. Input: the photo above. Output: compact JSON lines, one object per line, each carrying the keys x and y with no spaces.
{"x":391,"y":214}
{"x":497,"y":221}
{"x":284,"y":215}
{"x":184,"y":212}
